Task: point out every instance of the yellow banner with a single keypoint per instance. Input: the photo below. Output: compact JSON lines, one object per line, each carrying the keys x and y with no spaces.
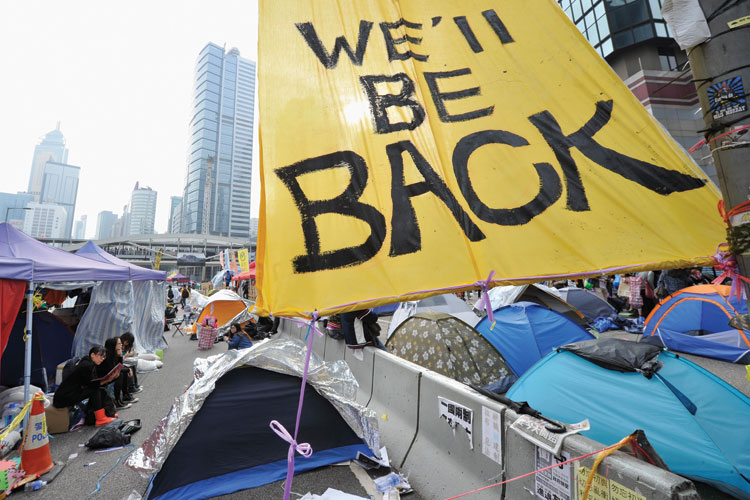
{"x":157,"y":261}
{"x":414,"y":146}
{"x":242,"y":257}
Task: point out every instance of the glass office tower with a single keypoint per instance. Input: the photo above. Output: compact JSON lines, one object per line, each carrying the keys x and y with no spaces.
{"x":634,"y":39}
{"x":216,"y":198}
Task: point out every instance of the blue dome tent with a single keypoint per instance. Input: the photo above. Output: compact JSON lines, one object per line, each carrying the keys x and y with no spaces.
{"x":696,"y":422}
{"x":695,"y":320}
{"x":525,"y":332}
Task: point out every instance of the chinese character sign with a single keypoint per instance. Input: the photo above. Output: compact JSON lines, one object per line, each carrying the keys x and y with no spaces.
{"x":417,"y":145}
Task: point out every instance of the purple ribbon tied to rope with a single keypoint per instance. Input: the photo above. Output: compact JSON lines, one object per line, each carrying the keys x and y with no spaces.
{"x":303,"y":449}
{"x":486,"y":304}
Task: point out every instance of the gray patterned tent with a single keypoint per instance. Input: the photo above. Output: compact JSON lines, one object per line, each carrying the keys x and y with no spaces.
{"x":447,"y":345}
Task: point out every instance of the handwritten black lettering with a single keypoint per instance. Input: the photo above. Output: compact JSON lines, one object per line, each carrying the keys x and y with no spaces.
{"x":405,"y":233}
{"x":347,"y":204}
{"x":440,"y":97}
{"x":653,"y":177}
{"x":550,"y":188}
{"x":390,"y":42}
{"x":379,"y":103}
{"x":331,"y":60}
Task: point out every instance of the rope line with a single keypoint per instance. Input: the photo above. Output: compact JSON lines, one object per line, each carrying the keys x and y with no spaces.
{"x":608,"y":448}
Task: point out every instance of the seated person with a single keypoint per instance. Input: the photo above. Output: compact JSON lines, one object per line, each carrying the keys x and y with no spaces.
{"x":237,"y":338}
{"x":130,"y":360}
{"x":122,"y":396}
{"x":83,"y":383}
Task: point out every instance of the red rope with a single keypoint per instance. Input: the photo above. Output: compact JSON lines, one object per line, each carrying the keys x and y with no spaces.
{"x":614,"y":446}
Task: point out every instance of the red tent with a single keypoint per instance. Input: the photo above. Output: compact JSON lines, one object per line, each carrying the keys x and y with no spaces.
{"x":248,"y":275}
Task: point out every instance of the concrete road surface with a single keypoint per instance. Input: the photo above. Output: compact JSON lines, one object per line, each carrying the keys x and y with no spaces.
{"x":77,"y":481}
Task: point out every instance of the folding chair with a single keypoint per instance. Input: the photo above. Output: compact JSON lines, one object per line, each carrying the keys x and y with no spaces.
{"x":178,"y":326}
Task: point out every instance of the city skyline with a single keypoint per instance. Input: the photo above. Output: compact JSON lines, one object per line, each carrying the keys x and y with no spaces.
{"x":125,"y":107}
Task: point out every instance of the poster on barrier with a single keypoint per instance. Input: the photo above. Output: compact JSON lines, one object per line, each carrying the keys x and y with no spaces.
{"x":538,"y":432}
{"x":492,"y":434}
{"x":456,"y":415}
{"x":555,"y":483}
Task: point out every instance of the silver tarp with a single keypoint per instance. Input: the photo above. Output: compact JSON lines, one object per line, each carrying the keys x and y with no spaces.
{"x":332,"y":380}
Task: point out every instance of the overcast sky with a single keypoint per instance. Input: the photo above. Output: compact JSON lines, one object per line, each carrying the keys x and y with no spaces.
{"x":119,"y":79}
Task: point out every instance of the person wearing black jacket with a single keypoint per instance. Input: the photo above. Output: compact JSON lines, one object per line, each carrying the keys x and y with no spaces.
{"x":122,"y":396}
{"x":83,"y":383}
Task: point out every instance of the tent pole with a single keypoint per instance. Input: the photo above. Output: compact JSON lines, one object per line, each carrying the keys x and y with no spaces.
{"x":27,"y":362}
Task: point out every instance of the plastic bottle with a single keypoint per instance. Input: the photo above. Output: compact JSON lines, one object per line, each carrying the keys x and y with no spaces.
{"x":10,"y":413}
{"x":385,"y":483}
{"x":35,"y":485}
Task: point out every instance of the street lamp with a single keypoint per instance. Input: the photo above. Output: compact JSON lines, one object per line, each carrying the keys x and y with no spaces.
{"x":7,"y":211}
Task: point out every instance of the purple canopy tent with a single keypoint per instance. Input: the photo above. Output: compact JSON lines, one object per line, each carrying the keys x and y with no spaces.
{"x":93,"y":251}
{"x":139,"y":305}
{"x":48,"y":264}
{"x":52,"y":264}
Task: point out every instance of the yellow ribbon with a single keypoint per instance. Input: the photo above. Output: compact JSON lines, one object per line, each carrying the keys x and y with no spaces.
{"x":599,"y":458}
{"x":16,"y":421}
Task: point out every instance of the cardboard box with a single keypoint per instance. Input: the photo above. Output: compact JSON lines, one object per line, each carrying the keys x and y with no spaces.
{"x":58,"y":419}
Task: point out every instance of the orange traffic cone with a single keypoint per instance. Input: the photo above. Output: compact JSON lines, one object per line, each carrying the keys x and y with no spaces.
{"x":35,"y":455}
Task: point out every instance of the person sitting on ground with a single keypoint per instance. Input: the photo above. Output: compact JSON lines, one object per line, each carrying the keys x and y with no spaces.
{"x":119,"y":385}
{"x":129,"y":357}
{"x":82,"y":384}
{"x":237,"y":338}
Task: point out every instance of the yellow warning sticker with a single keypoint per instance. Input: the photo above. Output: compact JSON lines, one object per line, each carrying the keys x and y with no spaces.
{"x":603,"y":488}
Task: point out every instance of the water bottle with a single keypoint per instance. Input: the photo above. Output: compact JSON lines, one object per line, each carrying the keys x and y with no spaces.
{"x":385,"y":483}
{"x":9,"y":414}
{"x":35,"y":485}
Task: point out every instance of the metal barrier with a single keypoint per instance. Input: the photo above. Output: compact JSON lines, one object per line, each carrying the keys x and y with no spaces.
{"x":361,"y":362}
{"x":414,"y":406}
{"x":395,"y":398}
{"x":446,"y":460}
{"x":620,"y":476}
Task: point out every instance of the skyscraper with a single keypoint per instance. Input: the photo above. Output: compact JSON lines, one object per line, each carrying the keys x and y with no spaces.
{"x":13,"y":208}
{"x":79,"y":228}
{"x":45,"y":220}
{"x":60,"y":187}
{"x":175,"y":206}
{"x":219,"y":172}
{"x":142,"y":210}
{"x":104,"y":222}
{"x":52,"y":148}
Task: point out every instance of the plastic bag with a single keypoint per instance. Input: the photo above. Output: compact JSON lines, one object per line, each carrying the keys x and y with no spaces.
{"x":134,"y":495}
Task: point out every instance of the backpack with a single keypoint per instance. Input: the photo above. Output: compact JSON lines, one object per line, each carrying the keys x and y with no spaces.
{"x":70,"y":365}
{"x":115,"y":433}
{"x":185,"y":293}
